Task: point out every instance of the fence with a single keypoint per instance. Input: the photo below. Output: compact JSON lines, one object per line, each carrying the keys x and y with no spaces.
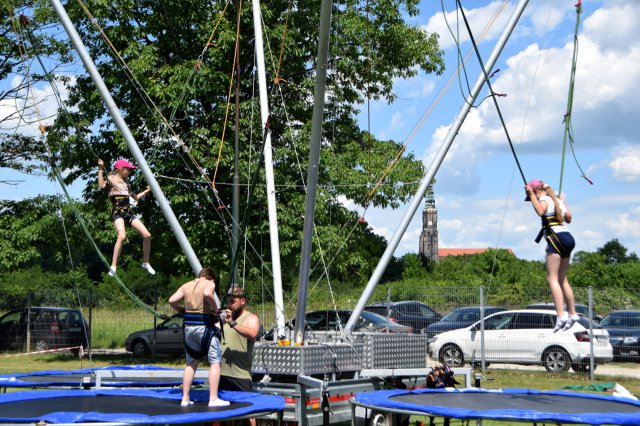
{"x":110,"y":326}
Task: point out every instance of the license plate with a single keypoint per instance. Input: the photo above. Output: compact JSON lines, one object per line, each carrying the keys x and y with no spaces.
{"x":601,"y":338}
{"x":74,"y":329}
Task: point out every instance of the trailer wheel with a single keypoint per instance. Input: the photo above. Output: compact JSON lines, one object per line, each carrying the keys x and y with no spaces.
{"x":380,"y":419}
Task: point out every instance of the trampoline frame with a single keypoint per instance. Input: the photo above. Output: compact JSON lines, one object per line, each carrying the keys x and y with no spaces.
{"x":480,"y":418}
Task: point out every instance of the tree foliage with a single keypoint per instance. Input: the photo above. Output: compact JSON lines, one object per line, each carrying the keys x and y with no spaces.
{"x":163,"y":45}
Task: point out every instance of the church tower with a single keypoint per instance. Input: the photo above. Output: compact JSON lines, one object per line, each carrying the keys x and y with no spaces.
{"x":429,"y":236}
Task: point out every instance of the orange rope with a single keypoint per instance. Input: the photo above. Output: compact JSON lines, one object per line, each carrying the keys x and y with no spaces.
{"x":433,"y":105}
{"x":226,"y":113}
{"x":277,"y":80}
{"x":155,"y":107}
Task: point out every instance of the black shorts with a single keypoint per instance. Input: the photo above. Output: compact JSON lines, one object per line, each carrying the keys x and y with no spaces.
{"x":235,"y":384}
{"x":561,"y":243}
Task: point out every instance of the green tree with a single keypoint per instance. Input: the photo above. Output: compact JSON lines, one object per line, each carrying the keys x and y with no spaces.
{"x":42,"y":232}
{"x":615,"y":252}
{"x":371,"y":46}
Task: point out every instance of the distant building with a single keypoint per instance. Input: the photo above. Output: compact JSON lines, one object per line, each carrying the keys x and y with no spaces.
{"x":429,"y":236}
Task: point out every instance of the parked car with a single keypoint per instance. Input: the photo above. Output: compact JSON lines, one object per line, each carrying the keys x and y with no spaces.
{"x":624,"y":334}
{"x":333,"y":319}
{"x":458,"y":318}
{"x":48,"y":327}
{"x":580,"y":309}
{"x":524,"y":336}
{"x":416,"y":315}
{"x":169,"y":337}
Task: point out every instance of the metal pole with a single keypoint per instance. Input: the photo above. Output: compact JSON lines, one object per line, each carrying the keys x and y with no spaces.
{"x":268,"y":172}
{"x":314,"y":165}
{"x":126,"y":133}
{"x":235,"y":196}
{"x":482,"y":353}
{"x":592,"y":365}
{"x":428,"y":178}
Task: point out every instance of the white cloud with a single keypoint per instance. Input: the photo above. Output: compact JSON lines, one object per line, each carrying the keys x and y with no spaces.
{"x":39,"y":107}
{"x":627,"y":224}
{"x":625,"y":164}
{"x":477,"y":18}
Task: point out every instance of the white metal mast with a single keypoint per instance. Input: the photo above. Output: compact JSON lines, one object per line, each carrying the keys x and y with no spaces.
{"x":268,"y":168}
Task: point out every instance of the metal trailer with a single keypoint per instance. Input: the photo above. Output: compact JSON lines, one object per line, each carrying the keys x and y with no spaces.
{"x":318,"y":380}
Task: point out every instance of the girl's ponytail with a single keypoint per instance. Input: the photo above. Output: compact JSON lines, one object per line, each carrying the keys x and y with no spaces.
{"x":557,"y":211}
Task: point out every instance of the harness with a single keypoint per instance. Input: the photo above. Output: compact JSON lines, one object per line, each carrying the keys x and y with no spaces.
{"x":120,"y":207}
{"x":210,"y":331}
{"x":552,"y":238}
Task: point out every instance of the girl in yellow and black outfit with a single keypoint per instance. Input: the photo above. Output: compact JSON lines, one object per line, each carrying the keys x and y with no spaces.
{"x":560,"y":243}
{"x":117,"y":183}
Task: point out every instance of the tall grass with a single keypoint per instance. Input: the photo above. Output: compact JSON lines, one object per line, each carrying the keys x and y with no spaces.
{"x":110,"y":327}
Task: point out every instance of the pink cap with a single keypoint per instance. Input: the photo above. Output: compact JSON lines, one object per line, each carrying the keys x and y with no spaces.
{"x":534,"y":184}
{"x":122,"y":164}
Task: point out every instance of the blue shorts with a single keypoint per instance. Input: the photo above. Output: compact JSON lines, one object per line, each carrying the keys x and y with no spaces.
{"x":563,"y":246}
{"x":193,"y":337}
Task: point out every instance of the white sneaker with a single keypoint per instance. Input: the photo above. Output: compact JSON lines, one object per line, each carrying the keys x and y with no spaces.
{"x":218,"y":403}
{"x":570,"y":321}
{"x":112,"y":271}
{"x":560,"y":323}
{"x":147,"y":267}
{"x":186,"y":403}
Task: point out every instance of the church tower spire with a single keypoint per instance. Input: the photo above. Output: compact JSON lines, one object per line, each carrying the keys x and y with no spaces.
{"x":429,"y":236}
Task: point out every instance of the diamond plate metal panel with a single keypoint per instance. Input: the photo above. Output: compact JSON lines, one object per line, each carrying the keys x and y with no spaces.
{"x":382,"y":350}
{"x":312,"y":359}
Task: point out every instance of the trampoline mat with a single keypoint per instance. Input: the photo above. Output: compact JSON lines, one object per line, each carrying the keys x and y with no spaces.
{"x":505,"y":401}
{"x":107,"y":404}
{"x":75,"y":379}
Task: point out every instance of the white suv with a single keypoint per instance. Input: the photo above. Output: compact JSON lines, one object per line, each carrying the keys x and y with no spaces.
{"x":524,"y":337}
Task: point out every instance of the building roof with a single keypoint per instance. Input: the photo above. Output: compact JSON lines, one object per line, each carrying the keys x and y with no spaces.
{"x":444,"y":252}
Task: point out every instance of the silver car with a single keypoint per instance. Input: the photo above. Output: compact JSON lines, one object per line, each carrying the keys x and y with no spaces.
{"x":524,"y":337}
{"x":168,"y":337}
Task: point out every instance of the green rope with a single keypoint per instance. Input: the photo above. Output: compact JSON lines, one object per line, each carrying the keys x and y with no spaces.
{"x":82,"y":223}
{"x":568,"y":131}
{"x":77,"y":214}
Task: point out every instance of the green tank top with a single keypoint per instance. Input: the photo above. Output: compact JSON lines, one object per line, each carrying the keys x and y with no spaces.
{"x":237,"y":352}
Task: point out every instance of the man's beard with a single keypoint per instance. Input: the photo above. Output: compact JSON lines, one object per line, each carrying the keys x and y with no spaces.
{"x":236,"y":312}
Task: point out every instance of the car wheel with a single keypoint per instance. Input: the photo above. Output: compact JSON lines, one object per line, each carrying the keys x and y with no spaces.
{"x":452,"y":356}
{"x":139,"y":347}
{"x":556,"y":360}
{"x":583,"y":367}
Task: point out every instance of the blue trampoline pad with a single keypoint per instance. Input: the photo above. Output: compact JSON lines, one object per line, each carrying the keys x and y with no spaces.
{"x":74,"y":378}
{"x":138,"y":406}
{"x":507,"y":404}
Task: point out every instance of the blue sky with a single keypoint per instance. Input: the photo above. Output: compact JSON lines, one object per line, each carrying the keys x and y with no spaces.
{"x":479,"y":191}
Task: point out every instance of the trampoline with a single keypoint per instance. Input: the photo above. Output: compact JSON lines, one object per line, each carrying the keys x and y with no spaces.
{"x":120,"y":376}
{"x":521,"y":405}
{"x":131,"y":406}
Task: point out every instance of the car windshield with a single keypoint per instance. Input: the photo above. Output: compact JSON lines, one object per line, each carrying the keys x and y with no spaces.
{"x":620,"y":321}
{"x":462,"y":315}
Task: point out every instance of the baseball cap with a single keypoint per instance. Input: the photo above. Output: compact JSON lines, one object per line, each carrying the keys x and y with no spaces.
{"x":534,"y":184}
{"x":122,"y":164}
{"x":237,"y":292}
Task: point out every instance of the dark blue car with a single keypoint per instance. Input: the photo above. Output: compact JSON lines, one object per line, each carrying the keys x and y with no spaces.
{"x":458,"y":318}
{"x":624,"y":334}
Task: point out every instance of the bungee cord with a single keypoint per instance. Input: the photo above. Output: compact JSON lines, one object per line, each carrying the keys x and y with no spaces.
{"x":568,"y":128}
{"x":491,"y":91}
